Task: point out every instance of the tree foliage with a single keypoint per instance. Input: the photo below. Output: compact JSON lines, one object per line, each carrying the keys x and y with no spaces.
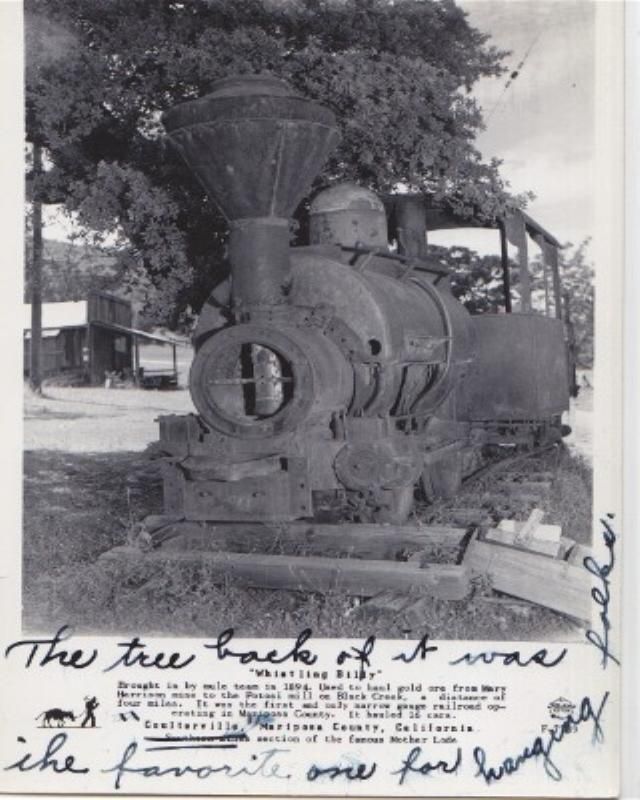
{"x":70,"y":271}
{"x":576,"y":271}
{"x":100,"y":73}
{"x":476,"y":280}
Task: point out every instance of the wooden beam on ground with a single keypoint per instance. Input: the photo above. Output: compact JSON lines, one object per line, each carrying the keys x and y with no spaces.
{"x":357,"y":539}
{"x":527,"y":532}
{"x":503,"y":499}
{"x":387,"y":602}
{"x":532,"y":487}
{"x":578,"y":553}
{"x":555,"y":584}
{"x":310,"y":573}
{"x":469,"y":516}
{"x":545,"y":538}
{"x":500,"y":536}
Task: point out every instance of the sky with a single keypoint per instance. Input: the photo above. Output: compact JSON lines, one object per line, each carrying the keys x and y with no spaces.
{"x":542,"y":125}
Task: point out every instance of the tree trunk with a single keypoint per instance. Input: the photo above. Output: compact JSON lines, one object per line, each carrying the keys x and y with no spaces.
{"x":35,"y":365}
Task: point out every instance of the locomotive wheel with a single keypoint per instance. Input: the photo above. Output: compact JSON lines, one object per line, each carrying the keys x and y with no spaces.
{"x":395,"y":505}
{"x":442,"y":479}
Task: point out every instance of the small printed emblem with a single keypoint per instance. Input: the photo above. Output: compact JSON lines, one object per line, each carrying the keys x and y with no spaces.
{"x":62,"y":718}
{"x":561,"y":708}
{"x":56,"y":716}
{"x":90,"y":705}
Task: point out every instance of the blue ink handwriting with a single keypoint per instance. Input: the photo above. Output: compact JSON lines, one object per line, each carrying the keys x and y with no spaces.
{"x":409,"y":765}
{"x":489,"y":656}
{"x":360,"y":654}
{"x":263,"y":765}
{"x":135,"y":656}
{"x":47,"y":761}
{"x":542,"y":746}
{"x":421,"y":649}
{"x":601,"y":594}
{"x":295,"y":654}
{"x":352,"y":772}
{"x":52,"y":653}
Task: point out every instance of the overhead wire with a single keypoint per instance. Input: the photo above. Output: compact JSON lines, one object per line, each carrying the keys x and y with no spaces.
{"x":518,"y":69}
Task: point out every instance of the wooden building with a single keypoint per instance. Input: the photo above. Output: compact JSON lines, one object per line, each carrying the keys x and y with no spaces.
{"x":90,"y":340}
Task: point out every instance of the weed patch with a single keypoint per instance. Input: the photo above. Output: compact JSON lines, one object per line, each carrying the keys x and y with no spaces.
{"x":79,"y":505}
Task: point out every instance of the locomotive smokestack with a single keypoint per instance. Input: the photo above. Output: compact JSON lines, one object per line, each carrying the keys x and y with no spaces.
{"x":256,"y":146}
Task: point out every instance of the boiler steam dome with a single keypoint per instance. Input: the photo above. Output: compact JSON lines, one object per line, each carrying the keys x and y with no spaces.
{"x":348,"y":215}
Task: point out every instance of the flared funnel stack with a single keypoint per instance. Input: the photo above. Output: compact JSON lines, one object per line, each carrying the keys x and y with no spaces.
{"x":256,"y":146}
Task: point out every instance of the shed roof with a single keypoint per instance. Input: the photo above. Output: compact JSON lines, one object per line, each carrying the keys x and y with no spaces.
{"x":74,"y":314}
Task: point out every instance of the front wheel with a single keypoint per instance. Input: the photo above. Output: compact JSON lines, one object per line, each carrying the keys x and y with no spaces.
{"x":395,"y":505}
{"x":441,"y":480}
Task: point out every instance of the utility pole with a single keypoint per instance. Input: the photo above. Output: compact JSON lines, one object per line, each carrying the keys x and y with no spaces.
{"x":35,"y":352}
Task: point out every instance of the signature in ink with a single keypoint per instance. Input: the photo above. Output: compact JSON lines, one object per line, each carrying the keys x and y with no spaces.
{"x":419,"y":651}
{"x":542,"y":746}
{"x":262,"y":765}
{"x":351,"y":772}
{"x":76,"y":659}
{"x":296,"y":653}
{"x":359,"y":654}
{"x":601,"y":594}
{"x":136,"y":655}
{"x":411,"y":764}
{"x":59,"y":764}
{"x":514,"y":657}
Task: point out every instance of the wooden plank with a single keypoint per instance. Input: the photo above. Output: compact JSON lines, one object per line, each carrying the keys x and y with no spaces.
{"x":566,"y":545}
{"x":578,"y":553}
{"x":311,"y":573}
{"x":546,"y":539}
{"x":546,"y":581}
{"x":526,"y":533}
{"x":413,"y":614}
{"x":361,"y":540}
{"x":468,"y":516}
{"x":547,"y":533}
{"x":501,"y":536}
{"x":530,"y":487}
{"x":504,"y":499}
{"x":385,"y":602}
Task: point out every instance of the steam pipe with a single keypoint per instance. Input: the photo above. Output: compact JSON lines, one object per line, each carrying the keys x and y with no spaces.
{"x":260,"y":265}
{"x":411,"y":224}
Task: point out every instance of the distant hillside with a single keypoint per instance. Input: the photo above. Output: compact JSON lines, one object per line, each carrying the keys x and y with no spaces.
{"x":71,"y":270}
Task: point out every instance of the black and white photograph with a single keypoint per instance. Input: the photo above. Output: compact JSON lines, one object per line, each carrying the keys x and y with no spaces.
{"x":309,"y":317}
{"x":320,"y":344}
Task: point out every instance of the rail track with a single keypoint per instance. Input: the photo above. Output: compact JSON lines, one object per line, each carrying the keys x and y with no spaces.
{"x":515,"y":491}
{"x":396,"y":576}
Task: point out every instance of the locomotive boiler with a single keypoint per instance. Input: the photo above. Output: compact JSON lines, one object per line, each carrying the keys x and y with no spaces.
{"x":334,"y":380}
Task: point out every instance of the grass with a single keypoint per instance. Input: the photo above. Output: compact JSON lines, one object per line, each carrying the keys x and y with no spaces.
{"x":78,"y":505}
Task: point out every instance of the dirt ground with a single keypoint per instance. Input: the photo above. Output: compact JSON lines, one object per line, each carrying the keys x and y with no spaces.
{"x":87,"y":481}
{"x":98,"y":420}
{"x":580,"y":418}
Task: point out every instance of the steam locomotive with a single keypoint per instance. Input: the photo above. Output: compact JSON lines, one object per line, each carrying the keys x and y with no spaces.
{"x":334,"y":380}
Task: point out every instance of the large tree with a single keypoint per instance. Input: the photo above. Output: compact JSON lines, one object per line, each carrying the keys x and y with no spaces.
{"x":99,"y":72}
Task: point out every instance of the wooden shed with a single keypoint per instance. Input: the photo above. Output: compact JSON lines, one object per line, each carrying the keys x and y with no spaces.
{"x":88,"y":340}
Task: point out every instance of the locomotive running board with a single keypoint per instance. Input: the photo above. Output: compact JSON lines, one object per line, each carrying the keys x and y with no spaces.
{"x":367,"y":565}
